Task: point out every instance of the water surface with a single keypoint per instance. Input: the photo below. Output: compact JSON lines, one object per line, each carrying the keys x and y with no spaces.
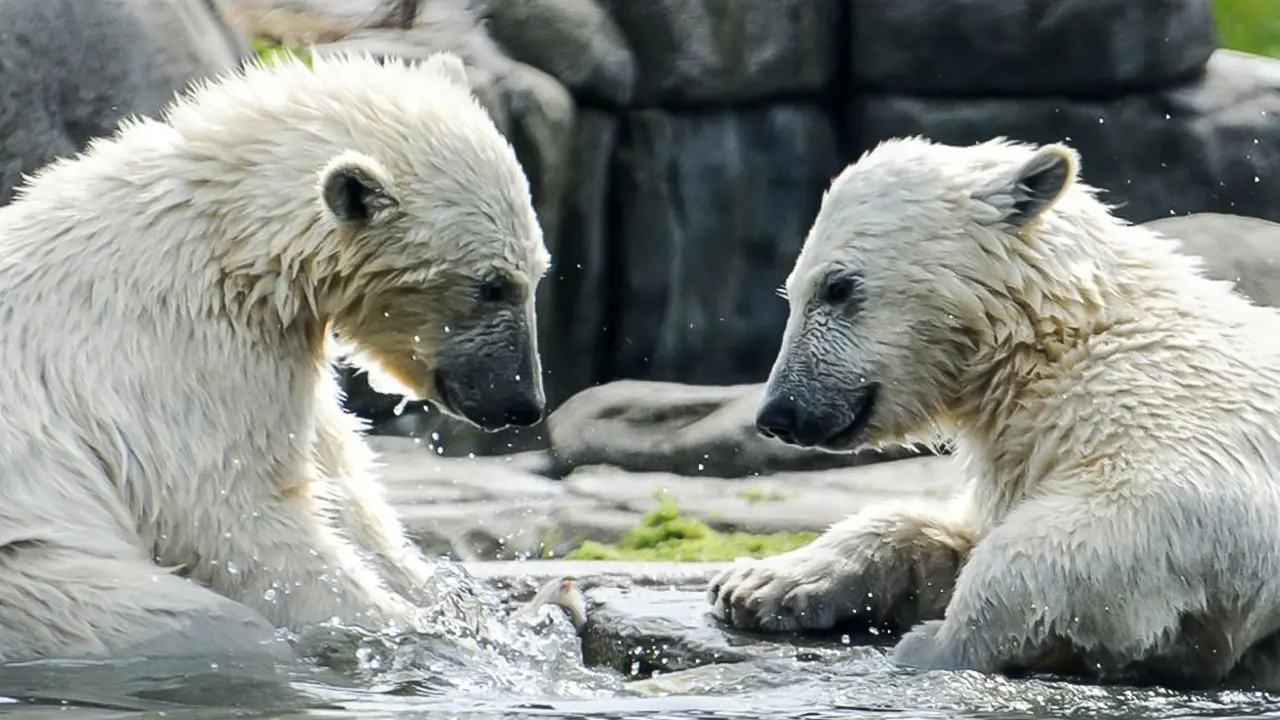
{"x":540,"y":675}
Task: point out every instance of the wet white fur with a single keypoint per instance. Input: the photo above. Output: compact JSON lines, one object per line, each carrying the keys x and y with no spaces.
{"x":1117,"y":413}
{"x":167,"y":401}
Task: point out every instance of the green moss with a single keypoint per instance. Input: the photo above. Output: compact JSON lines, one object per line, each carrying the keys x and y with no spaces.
{"x":1251,"y":26}
{"x":666,"y":535}
{"x":269,"y":50}
{"x":756,"y":495}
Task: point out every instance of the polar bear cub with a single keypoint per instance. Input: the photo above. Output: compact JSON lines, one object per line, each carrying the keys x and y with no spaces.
{"x":1117,"y":413}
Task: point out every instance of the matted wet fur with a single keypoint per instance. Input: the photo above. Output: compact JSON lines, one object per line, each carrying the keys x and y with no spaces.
{"x":174,"y":461}
{"x":1116,"y":412}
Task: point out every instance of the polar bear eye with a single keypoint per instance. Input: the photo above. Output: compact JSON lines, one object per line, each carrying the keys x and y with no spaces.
{"x":839,"y":289}
{"x":495,"y":290}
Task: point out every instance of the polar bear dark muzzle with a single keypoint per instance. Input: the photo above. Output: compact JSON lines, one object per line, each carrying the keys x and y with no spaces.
{"x":476,"y":402}
{"x":837,"y":426}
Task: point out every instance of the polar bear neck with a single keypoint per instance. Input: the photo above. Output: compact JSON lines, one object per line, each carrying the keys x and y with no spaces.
{"x":1079,"y":280}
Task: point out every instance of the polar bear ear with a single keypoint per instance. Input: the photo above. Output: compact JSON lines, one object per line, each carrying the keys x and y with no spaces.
{"x":450,"y":67}
{"x":355,"y":191}
{"x":1024,"y":193}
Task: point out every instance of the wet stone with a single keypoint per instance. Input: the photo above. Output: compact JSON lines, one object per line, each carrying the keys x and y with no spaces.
{"x":646,"y":631}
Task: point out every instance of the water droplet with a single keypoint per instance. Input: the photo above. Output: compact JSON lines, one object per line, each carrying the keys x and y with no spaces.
{"x":269,"y":595}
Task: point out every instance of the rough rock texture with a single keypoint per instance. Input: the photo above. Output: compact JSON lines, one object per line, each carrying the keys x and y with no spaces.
{"x":1027,"y":47}
{"x":1212,"y":145}
{"x":693,"y":52}
{"x":70,"y":70}
{"x":574,"y":40}
{"x":640,"y":632}
{"x":686,"y":186}
{"x":650,"y":620}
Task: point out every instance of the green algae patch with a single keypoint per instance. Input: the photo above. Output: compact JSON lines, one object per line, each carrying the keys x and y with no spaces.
{"x":665,"y":535}
{"x":269,"y":51}
{"x":756,"y":495}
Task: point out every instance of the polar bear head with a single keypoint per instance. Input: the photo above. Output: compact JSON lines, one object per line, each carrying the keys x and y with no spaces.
{"x":431,"y":213}
{"x":909,"y":271}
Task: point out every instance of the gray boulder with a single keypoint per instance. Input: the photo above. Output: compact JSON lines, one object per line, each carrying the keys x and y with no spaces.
{"x":682,"y":429}
{"x":575,"y":41}
{"x":1088,"y":48}
{"x":70,"y":70}
{"x":1244,"y":251}
{"x":1212,"y":144}
{"x":721,"y":51}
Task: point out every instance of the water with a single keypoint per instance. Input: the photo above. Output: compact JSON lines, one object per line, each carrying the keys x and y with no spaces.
{"x":539,"y":674}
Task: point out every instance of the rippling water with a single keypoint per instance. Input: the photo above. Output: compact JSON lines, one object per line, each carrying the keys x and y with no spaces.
{"x":540,"y":675}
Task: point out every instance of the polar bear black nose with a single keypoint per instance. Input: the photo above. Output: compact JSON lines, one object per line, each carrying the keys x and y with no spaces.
{"x":777,"y":419}
{"x":524,"y":412}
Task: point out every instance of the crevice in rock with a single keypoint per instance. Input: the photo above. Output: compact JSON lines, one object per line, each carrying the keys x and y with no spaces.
{"x":710,"y":107}
{"x":1111,"y":93}
{"x":839,"y":108}
{"x":614,"y":291}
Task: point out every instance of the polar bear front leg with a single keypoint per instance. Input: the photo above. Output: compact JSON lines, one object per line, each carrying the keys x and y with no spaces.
{"x":304,"y":571}
{"x":887,"y":568}
{"x":371,"y":522}
{"x":1067,"y":578}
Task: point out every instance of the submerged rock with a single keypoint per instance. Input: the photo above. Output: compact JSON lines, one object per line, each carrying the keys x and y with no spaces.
{"x":642,"y":631}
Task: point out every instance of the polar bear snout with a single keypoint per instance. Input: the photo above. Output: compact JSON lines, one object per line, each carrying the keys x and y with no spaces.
{"x":492,"y":377}
{"x":475,"y":400}
{"x":836,"y":423}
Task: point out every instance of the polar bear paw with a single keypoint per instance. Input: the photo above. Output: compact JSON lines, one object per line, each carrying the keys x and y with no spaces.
{"x":806,"y":589}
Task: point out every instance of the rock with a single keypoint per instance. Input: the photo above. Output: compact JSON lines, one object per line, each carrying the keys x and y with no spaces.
{"x":1240,"y":250}
{"x":71,"y":70}
{"x":785,"y":502}
{"x":646,"y":426}
{"x":520,"y":580}
{"x":1209,"y":145}
{"x":573,"y":40}
{"x":711,"y":212}
{"x":1087,"y":48}
{"x":722,"y":51}
{"x":490,"y":508}
{"x":484,"y":508}
{"x":641,"y":632}
{"x":571,"y":309}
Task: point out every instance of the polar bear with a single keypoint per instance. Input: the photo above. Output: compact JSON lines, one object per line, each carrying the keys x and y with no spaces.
{"x":1117,"y":413}
{"x":177,"y":470}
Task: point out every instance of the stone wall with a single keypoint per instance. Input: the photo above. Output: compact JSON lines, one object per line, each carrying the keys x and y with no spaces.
{"x":70,"y":70}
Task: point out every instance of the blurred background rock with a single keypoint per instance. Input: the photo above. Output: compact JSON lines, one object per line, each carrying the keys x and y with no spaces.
{"x":678,"y":150}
